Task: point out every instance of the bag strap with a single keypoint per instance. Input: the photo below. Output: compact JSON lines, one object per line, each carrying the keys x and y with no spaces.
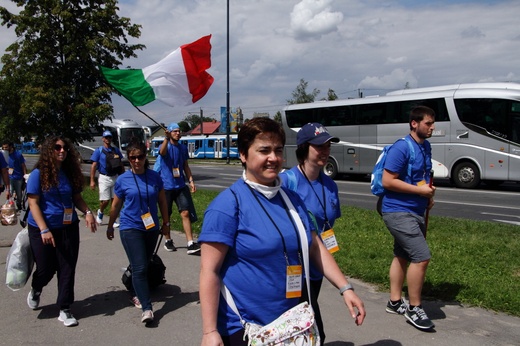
{"x":158,"y":244}
{"x":305,"y":254}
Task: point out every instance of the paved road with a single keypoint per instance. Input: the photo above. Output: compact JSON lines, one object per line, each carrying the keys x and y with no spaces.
{"x":106,"y":316}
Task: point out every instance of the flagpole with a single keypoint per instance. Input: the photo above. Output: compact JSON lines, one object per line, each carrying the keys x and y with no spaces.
{"x":228,"y":127}
{"x":149,"y":117}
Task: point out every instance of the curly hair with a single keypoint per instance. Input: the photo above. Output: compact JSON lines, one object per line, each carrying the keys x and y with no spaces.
{"x":70,"y":166}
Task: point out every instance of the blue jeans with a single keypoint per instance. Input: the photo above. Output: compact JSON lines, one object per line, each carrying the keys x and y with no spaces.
{"x":139,"y":247}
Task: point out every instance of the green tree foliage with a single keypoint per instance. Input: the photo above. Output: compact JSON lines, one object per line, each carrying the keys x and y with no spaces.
{"x":331,"y":95}
{"x":184,"y":126}
{"x":278,"y":117}
{"x":50,"y":82}
{"x":194,"y":119}
{"x":299,"y":95}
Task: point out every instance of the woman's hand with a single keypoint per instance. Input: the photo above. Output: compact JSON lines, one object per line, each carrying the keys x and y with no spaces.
{"x":353,"y":302}
{"x":91,"y":222}
{"x":212,"y":338}
{"x":47,"y":238}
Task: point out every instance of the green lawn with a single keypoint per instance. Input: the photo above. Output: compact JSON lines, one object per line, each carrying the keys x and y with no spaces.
{"x":473,"y":262}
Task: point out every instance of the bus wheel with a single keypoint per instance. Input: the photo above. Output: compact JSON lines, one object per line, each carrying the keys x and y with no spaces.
{"x":331,"y":169}
{"x":466,"y":175}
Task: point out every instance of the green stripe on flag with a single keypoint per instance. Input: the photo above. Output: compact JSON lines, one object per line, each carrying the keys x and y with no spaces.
{"x":131,"y":84}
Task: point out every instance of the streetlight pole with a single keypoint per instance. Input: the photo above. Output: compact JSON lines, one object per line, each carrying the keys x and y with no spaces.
{"x":228,"y":126}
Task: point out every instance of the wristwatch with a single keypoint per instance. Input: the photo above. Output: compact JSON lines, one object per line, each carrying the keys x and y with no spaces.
{"x":166,"y":224}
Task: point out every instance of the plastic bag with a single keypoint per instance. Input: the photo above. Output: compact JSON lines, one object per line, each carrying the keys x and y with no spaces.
{"x":8,"y":213}
{"x":19,"y":262}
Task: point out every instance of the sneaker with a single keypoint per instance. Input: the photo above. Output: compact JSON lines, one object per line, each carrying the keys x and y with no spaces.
{"x":418,"y":318}
{"x":136,"y":302}
{"x":33,"y":299}
{"x":398,"y":308}
{"x":169,"y":245}
{"x":67,"y":318}
{"x":147,"y":316}
{"x":99,"y":217}
{"x":115,"y":225}
{"x":193,"y":248}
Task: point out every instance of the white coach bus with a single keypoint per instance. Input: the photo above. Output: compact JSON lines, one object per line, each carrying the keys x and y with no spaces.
{"x":476,"y":137}
{"x":122,"y":131}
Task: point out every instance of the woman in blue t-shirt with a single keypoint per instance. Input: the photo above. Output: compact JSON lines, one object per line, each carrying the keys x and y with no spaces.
{"x":54,"y":193}
{"x":320,"y":194}
{"x":137,"y":193}
{"x":250,"y":243}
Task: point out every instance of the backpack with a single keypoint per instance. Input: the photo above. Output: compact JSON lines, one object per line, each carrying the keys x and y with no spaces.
{"x":376,"y":179}
{"x":113,"y":163}
{"x":156,"y":271}
{"x":157,"y":164}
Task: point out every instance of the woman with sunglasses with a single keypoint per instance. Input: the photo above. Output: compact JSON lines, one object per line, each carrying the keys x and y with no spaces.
{"x":54,"y":193}
{"x":137,"y":194}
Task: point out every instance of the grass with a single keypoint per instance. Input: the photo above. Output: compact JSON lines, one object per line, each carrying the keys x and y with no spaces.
{"x":473,"y":262}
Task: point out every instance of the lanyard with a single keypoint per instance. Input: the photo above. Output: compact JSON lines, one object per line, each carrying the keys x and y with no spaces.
{"x":278,"y":229}
{"x":139,"y":190}
{"x":324,"y":204}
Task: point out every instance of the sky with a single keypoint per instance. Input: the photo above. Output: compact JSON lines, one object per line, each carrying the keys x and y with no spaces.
{"x":349,"y":46}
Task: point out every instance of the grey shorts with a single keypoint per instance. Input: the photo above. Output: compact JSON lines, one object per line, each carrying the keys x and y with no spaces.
{"x":408,"y":230}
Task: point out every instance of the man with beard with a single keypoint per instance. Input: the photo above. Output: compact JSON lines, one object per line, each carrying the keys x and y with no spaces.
{"x":404,"y":205}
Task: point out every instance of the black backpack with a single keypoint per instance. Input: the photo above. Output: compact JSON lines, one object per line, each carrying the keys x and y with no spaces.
{"x":156,"y":271}
{"x":113,"y":163}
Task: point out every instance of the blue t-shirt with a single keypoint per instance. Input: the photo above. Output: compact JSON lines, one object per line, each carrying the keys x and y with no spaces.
{"x":254,"y":269}
{"x":397,"y":162}
{"x":321,"y":197}
{"x":53,"y":202}
{"x":175,"y":158}
{"x":139,"y":194}
{"x":100,"y":158}
{"x":16,"y":160}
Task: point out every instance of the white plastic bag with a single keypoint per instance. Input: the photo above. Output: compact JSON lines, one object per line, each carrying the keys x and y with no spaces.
{"x":19,"y":262}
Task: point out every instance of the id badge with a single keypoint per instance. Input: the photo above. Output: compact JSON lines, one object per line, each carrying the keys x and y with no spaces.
{"x":329,"y":240}
{"x":67,"y":216}
{"x":176,"y":172}
{"x":148,"y":220}
{"x":293,"y":284}
{"x":11,"y":170}
{"x":421,"y":183}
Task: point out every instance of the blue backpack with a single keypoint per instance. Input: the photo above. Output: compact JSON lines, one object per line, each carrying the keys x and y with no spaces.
{"x":157,"y":165}
{"x":376,"y":180}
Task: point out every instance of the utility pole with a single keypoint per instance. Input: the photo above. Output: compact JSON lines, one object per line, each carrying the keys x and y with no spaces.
{"x":228,"y":126}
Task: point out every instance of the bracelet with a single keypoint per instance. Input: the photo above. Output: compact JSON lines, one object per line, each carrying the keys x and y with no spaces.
{"x":191,"y":180}
{"x":45,"y":231}
{"x":88,"y":212}
{"x":211,"y":331}
{"x":345,"y":288}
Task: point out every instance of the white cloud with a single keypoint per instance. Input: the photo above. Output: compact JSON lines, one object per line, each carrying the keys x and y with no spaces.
{"x":344,"y":45}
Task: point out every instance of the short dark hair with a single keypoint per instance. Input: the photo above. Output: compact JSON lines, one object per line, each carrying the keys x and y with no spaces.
{"x":255,"y":126}
{"x":137,"y":144}
{"x":418,"y":113}
{"x":302,"y":152}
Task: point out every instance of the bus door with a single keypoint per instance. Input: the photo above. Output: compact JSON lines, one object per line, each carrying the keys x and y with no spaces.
{"x":514,"y":148}
{"x":191,"y":149}
{"x":219,"y":147}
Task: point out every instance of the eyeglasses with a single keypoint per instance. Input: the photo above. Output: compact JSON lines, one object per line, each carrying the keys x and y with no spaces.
{"x":135,"y":157}
{"x":58,"y":147}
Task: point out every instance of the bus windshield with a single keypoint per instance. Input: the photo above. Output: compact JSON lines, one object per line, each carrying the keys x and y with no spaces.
{"x":126,"y":135}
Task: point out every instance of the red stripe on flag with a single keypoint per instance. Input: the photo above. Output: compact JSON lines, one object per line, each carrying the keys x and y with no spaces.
{"x":197,"y":59}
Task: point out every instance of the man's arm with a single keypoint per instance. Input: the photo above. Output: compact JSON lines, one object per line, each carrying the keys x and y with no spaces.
{"x":163,"y":149}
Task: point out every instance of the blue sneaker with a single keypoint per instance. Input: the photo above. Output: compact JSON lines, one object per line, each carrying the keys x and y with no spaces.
{"x":398,"y":308}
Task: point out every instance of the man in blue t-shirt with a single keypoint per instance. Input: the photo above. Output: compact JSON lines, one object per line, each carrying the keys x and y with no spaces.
{"x":403,"y":209}
{"x":16,"y":169}
{"x":175,"y":170}
{"x":5,"y":176}
{"x":106,"y":177}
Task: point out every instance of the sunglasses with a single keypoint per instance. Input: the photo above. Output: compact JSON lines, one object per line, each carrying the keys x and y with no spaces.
{"x":135,"y":157}
{"x":58,"y":147}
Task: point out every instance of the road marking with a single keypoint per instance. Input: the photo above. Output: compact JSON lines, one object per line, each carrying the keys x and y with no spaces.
{"x":495,"y":214}
{"x":507,"y":221}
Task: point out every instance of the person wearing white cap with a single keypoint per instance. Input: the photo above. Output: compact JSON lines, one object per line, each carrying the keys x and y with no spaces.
{"x":175,"y":171}
{"x":107,"y":160}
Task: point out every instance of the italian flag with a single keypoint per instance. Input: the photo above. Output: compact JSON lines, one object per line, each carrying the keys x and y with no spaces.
{"x":180,"y":79}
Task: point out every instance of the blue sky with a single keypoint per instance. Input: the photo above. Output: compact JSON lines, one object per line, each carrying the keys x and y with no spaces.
{"x":374,"y":46}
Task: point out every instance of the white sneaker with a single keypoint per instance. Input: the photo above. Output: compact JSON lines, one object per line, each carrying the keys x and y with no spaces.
{"x":33,"y":299}
{"x":67,"y":318}
{"x":147,"y":316}
{"x":116,"y":225}
{"x":99,"y":217}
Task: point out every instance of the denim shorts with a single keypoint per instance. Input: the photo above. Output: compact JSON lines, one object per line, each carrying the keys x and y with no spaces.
{"x":408,"y":230}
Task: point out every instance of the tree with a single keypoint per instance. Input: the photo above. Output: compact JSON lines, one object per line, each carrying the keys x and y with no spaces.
{"x":331,"y":95}
{"x":194,"y":119}
{"x":278,"y":117}
{"x":50,"y":82}
{"x":299,"y":95}
{"x":184,"y":126}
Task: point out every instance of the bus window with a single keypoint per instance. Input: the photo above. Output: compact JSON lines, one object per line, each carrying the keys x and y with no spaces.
{"x":485,"y":115}
{"x":211,"y":143}
{"x":438,"y":106}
